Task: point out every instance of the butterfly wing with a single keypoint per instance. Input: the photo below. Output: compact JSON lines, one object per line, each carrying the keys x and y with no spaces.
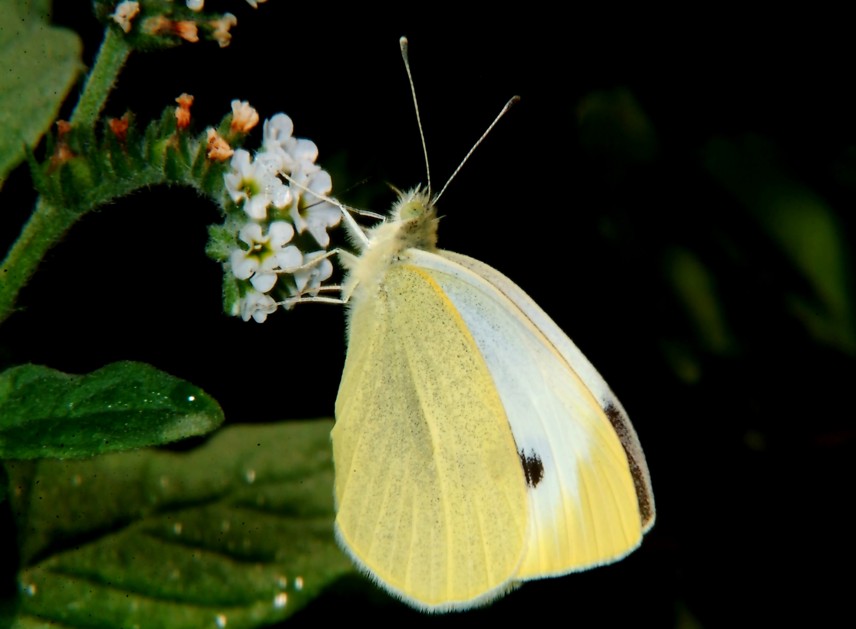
{"x":588,"y":483}
{"x":431,"y":499}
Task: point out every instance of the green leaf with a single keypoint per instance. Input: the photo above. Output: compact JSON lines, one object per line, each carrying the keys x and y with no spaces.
{"x":237,"y":532}
{"x":38,"y":66}
{"x":35,"y":9}
{"x":802,"y":225}
{"x":125,"y":405}
{"x":696,"y":287}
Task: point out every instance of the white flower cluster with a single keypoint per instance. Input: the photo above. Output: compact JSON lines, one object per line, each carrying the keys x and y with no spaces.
{"x":281,"y":230}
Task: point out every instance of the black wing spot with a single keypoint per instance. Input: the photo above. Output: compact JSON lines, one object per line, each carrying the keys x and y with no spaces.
{"x":620,"y":423}
{"x":533,"y":468}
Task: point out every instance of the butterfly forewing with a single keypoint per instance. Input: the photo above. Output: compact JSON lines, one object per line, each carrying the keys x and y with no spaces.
{"x":585,"y":508}
{"x":610,"y":404}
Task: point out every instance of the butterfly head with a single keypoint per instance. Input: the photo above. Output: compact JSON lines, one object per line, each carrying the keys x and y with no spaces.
{"x":413,"y":204}
{"x":415,"y":217}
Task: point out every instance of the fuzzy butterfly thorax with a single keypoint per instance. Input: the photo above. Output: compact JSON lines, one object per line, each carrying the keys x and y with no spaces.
{"x":412,"y":224}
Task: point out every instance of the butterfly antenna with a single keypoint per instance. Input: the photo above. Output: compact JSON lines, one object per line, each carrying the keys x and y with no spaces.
{"x":403,"y":43}
{"x":511,"y":101}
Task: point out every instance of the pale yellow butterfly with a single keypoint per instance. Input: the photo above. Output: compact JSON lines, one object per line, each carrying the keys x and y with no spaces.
{"x":475,"y":446}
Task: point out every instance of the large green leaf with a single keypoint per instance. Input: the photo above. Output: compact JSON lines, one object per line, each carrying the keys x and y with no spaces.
{"x":125,"y":405}
{"x":235,"y":533}
{"x":38,"y":65}
{"x":801,"y":224}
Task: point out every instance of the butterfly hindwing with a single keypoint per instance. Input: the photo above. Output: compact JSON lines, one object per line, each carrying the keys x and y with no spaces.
{"x":431,"y":497}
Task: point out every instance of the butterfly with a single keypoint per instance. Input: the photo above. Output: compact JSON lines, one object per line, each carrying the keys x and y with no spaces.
{"x":475,"y":447}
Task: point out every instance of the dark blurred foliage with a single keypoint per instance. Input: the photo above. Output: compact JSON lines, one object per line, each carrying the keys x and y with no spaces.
{"x":680,"y":202}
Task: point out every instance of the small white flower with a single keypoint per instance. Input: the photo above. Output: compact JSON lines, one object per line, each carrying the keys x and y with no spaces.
{"x":256,"y":184}
{"x":277,"y":130}
{"x":195,"y":5}
{"x":280,"y":233}
{"x":280,"y":194}
{"x":264,"y":279}
{"x":257,"y":306}
{"x":295,"y":155}
{"x":245,"y":263}
{"x":309,"y":278}
{"x":282,"y":260}
{"x":266,"y":254}
{"x":310,"y":212}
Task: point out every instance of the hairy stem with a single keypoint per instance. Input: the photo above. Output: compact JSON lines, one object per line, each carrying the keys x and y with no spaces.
{"x":112,"y":55}
{"x":46,"y":226}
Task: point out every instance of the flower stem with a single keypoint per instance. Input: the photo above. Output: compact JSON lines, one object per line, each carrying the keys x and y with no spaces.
{"x":46,"y":226}
{"x":112,"y":55}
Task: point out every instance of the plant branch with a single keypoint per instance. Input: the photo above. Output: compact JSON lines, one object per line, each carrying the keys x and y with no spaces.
{"x":44,"y":229}
{"x":112,"y":55}
{"x":48,"y":224}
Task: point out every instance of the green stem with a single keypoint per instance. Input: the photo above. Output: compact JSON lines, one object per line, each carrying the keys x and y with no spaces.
{"x":111,"y":57}
{"x":48,"y":224}
{"x":44,"y":229}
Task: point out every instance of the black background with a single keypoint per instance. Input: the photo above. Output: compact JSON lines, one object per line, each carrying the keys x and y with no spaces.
{"x":584,"y":205}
